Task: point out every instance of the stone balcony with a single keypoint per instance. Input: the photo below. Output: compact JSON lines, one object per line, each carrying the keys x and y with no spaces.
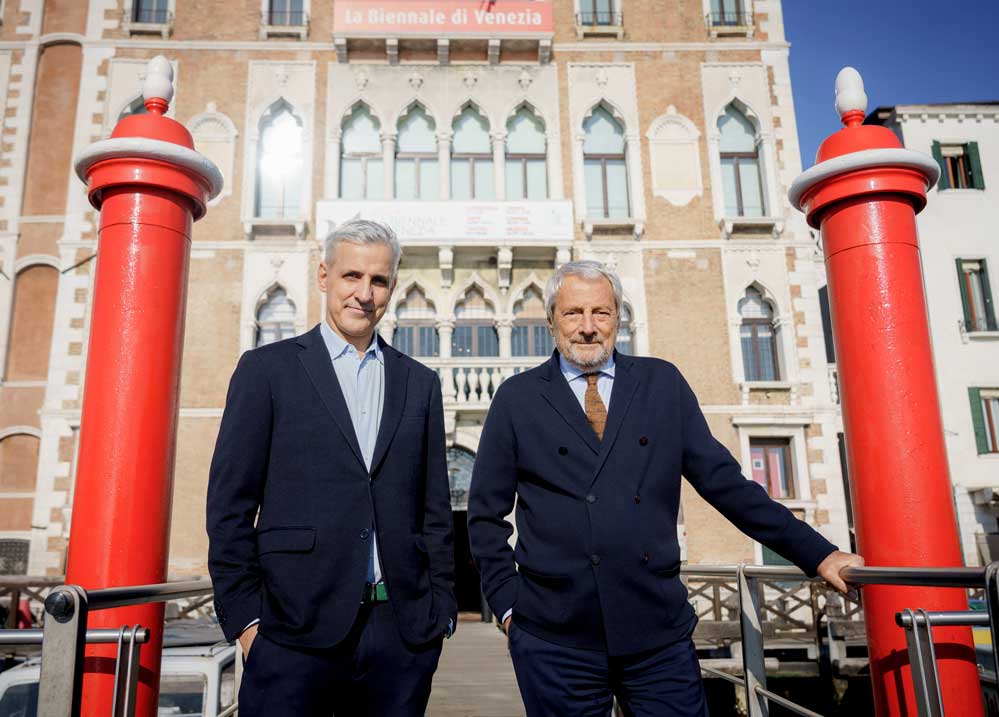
{"x":469,"y":383}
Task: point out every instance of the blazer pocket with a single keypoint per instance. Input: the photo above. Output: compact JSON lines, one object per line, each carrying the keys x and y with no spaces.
{"x":670,"y":570}
{"x":286,"y":540}
{"x":543,"y":578}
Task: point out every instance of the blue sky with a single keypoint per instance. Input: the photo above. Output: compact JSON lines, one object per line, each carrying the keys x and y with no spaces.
{"x":908,"y":51}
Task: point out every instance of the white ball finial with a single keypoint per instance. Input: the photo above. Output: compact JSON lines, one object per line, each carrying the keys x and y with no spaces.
{"x":850,"y":95}
{"x":159,"y":79}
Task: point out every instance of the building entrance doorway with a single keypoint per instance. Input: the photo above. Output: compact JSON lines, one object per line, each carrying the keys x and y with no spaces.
{"x":466,"y":585}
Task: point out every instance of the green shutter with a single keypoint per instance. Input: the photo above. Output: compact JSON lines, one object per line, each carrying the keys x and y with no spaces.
{"x":978,"y":180}
{"x":938,"y":156}
{"x":990,"y":316}
{"x":978,"y":419}
{"x":962,"y":285}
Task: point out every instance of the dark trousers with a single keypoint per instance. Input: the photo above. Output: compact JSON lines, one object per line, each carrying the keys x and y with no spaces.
{"x":372,"y":673}
{"x":557,"y":681}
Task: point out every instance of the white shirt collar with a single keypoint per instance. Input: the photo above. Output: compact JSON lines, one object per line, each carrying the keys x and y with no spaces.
{"x":571,"y":372}
{"x":338,"y":346}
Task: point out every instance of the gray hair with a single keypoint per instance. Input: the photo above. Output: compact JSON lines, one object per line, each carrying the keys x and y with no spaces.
{"x":364,"y":231}
{"x":586,"y":269}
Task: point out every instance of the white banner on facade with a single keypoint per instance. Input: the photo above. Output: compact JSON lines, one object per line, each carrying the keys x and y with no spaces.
{"x":432,"y":222}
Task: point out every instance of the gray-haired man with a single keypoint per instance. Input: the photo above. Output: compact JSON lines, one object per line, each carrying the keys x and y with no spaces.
{"x":590,"y":447}
{"x":342,"y":591}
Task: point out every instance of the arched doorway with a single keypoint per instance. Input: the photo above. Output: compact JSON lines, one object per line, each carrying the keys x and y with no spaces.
{"x":467,"y":588}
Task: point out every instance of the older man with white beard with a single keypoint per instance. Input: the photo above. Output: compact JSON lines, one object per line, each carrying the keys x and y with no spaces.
{"x":590,"y":447}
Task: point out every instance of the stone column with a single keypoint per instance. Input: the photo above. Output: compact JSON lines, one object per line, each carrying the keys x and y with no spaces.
{"x":388,"y":163}
{"x":444,"y":163}
{"x":499,"y":163}
{"x":504,"y":328}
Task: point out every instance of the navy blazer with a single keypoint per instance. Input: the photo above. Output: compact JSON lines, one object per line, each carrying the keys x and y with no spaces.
{"x":287,"y":447}
{"x":596,"y":564}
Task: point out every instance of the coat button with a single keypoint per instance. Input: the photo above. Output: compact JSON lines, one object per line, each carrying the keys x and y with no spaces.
{"x":591,"y":498}
{"x":643,"y":441}
{"x":646,"y":558}
{"x":638,"y":499}
{"x":562,"y":451}
{"x":365,"y":533}
{"x":595,"y":559}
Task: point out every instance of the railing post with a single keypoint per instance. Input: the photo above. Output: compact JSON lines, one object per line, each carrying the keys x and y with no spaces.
{"x":992,"y":598}
{"x":126,"y":672}
{"x":62,"y":652}
{"x":923,"y":663}
{"x":753,"y":660}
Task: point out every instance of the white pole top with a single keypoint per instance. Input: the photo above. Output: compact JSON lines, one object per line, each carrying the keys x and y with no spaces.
{"x":850,"y":95}
{"x":159,"y":80}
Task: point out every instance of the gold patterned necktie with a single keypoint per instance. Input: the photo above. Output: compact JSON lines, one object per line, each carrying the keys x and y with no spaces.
{"x":596,"y":412}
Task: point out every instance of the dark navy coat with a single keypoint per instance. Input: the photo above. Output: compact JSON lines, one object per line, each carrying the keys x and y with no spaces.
{"x":597,"y":561}
{"x":287,"y":446}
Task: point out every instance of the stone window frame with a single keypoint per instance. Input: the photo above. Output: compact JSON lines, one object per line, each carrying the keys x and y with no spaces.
{"x":250,"y":156}
{"x":133,"y":27}
{"x":633,"y":150}
{"x":784,"y":340}
{"x":613,"y":29}
{"x":767,"y":152}
{"x":792,"y":428}
{"x":268,"y":30}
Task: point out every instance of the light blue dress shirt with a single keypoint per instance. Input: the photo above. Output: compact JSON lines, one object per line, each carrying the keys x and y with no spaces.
{"x":577,"y":382}
{"x":362,"y":380}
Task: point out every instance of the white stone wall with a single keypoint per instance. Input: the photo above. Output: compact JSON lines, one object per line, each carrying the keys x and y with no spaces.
{"x":960,"y":223}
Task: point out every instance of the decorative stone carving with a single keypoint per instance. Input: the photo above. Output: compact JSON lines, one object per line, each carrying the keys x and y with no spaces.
{"x":415,"y":81}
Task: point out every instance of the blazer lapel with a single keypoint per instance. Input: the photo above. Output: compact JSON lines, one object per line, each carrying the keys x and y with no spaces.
{"x":396,"y":378}
{"x":625,"y":385}
{"x":316,"y":360}
{"x":556,"y":391}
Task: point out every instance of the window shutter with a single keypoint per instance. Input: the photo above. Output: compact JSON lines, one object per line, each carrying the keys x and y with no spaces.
{"x":962,"y":286}
{"x":990,"y":316}
{"x":975,"y":160}
{"x":978,"y":419}
{"x":938,"y":156}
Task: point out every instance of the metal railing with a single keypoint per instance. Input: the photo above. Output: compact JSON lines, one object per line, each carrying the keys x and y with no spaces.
{"x":285,"y":18}
{"x":65,"y":631}
{"x":599,"y":18}
{"x":750,"y":580}
{"x":151,"y":16}
{"x":730,"y":18}
{"x":65,"y":635}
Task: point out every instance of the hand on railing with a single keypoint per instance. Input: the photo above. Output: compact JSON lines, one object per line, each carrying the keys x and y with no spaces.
{"x":830,"y":568}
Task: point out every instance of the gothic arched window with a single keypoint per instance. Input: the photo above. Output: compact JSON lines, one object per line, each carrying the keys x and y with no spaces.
{"x":416,"y":327}
{"x":738,"y":150}
{"x":416,"y":171}
{"x":530,"y":335}
{"x":275,"y":318}
{"x":526,"y":168}
{"x":471,"y":157}
{"x":362,"y":175}
{"x":758,"y":336}
{"x":280,"y":164}
{"x":475,"y":326}
{"x":605,"y":169}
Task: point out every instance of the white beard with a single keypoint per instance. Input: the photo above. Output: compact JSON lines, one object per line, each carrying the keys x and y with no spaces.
{"x":583,"y":363}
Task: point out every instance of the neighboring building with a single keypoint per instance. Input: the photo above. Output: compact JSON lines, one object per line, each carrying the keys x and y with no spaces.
{"x":959,"y":246}
{"x":500,"y":140}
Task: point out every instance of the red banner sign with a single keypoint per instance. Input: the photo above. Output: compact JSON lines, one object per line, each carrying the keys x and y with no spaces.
{"x":402,"y":17}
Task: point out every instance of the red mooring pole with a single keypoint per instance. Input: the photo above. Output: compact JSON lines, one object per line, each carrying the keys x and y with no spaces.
{"x":863,"y":193}
{"x":149,"y":185}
